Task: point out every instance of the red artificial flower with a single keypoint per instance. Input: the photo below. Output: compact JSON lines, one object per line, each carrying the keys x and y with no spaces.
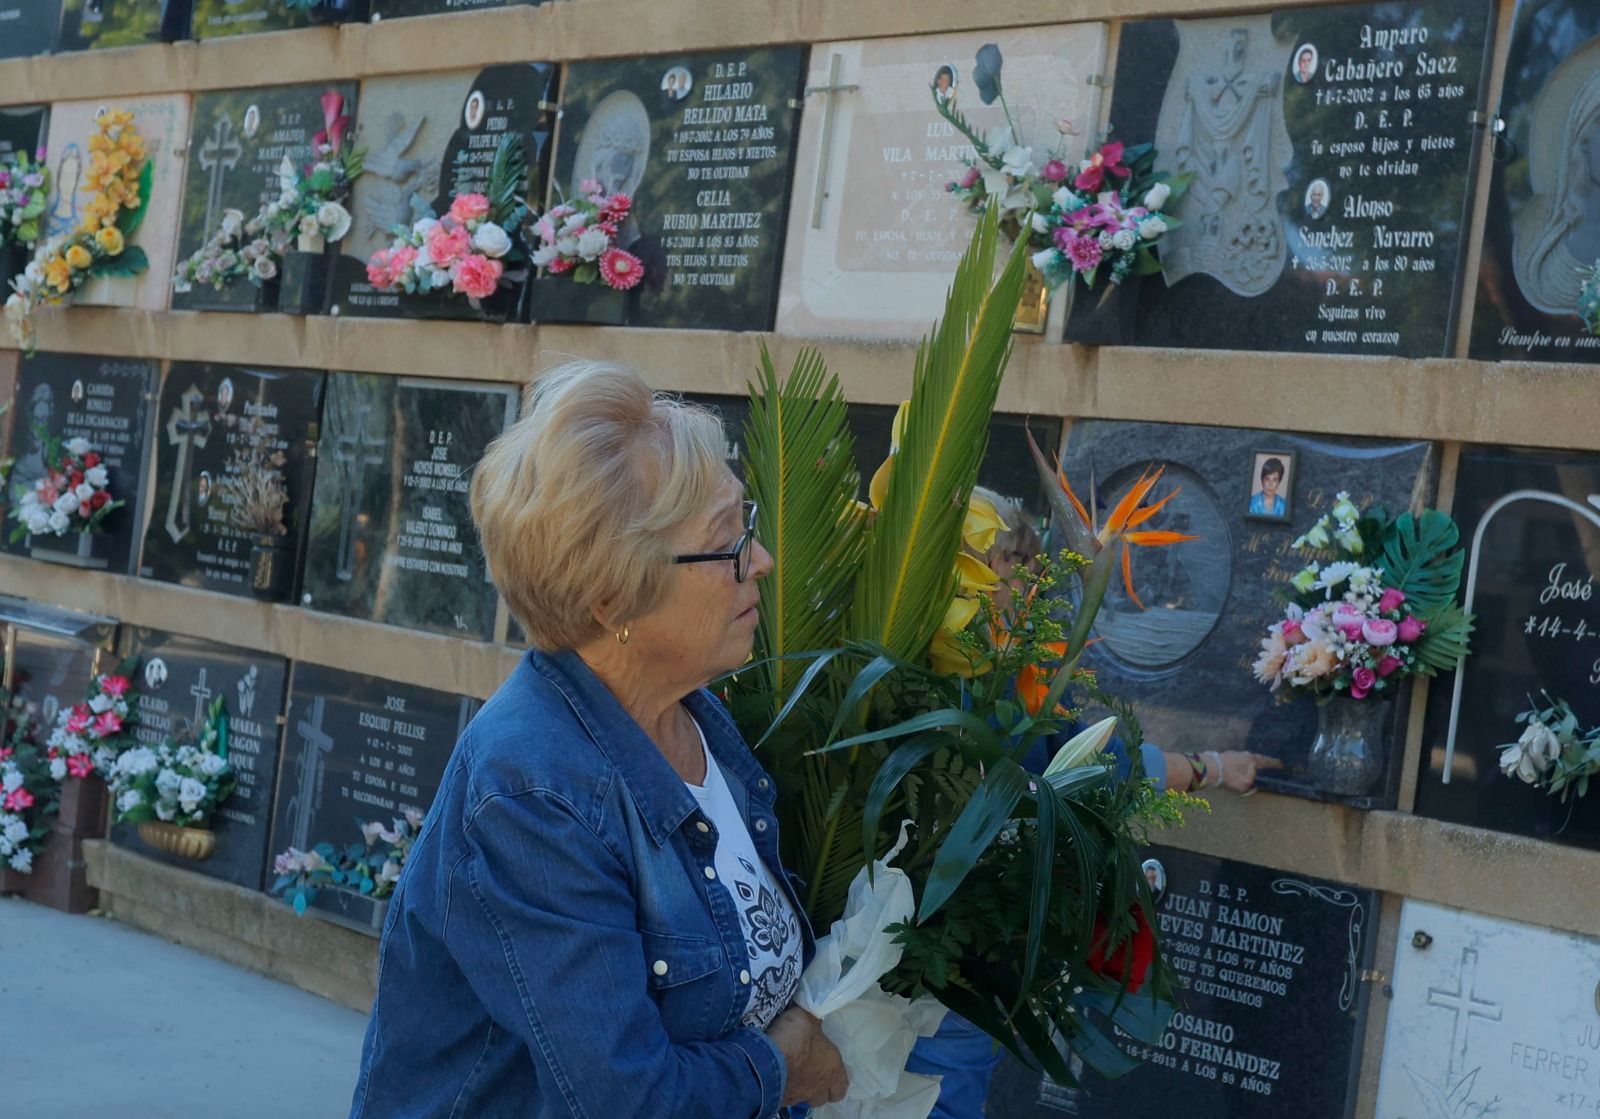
{"x":620,"y":269}
{"x":18,"y":799}
{"x":1130,"y":963}
{"x":6,"y":752}
{"x":77,"y":478}
{"x":114,"y":685}
{"x":107,"y":724}
{"x":1106,"y":161}
{"x":80,"y":765}
{"x":334,"y":123}
{"x":79,"y":720}
{"x":99,"y":499}
{"x":91,"y":460}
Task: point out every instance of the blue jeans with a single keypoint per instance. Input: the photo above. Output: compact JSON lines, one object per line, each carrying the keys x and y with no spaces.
{"x":965,"y":1057}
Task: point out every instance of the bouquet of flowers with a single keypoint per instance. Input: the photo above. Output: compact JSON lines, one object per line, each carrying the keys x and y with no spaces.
{"x":29,"y":796}
{"x":120,"y":175}
{"x":73,"y":495}
{"x":176,"y":784}
{"x":1554,"y":752}
{"x":1381,"y":609}
{"x":579,"y":239}
{"x":371,"y":867}
{"x":24,"y":187}
{"x":468,"y":250}
{"x":88,"y":736}
{"x":949,"y":875}
{"x":308,"y":210}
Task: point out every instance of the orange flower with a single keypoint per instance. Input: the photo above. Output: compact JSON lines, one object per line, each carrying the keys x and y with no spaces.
{"x":1033,"y":681}
{"x":1128,"y":514}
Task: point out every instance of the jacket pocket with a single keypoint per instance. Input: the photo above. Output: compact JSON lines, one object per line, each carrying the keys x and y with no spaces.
{"x":673,"y":960}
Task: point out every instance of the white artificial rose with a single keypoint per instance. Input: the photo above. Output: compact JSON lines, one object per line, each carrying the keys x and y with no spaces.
{"x":1040,"y":223}
{"x":1156,"y":197}
{"x":191,"y":794}
{"x":165,"y":811}
{"x":67,"y":504}
{"x":58,"y":523}
{"x":592,"y":242}
{"x":1124,"y":239}
{"x":334,"y":220}
{"x":389,"y":872}
{"x":544,"y":256}
{"x":96,"y":476}
{"x":265,"y":268}
{"x":1044,"y":258}
{"x":1017,"y":161}
{"x":1151,"y":228}
{"x":423,"y":263}
{"x":100,"y":704}
{"x":22,"y":861}
{"x":213,"y":764}
{"x":574,"y":225}
{"x":422,"y":225}
{"x":129,"y":800}
{"x":16,"y":831}
{"x":83,"y":492}
{"x":79,"y":446}
{"x":308,"y":227}
{"x":232,"y":222}
{"x":290,"y":197}
{"x":1105,"y":242}
{"x":168,"y":782}
{"x":34,"y":272}
{"x":39,"y":524}
{"x":567,"y":246}
{"x":58,"y":769}
{"x":494,"y":242}
{"x":12,"y":781}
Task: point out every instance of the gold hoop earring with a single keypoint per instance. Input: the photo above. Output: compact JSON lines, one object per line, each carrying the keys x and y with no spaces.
{"x":624,"y":634}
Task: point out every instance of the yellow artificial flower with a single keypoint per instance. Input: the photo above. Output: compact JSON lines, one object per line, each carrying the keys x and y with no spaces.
{"x":878,"y":488}
{"x":110,"y":240}
{"x":58,"y":274}
{"x":975,"y":576}
{"x":79,"y":257}
{"x":897,"y":431}
{"x":982,"y":524}
{"x":946,"y":654}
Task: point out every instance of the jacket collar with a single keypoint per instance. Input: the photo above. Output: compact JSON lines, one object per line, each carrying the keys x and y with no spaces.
{"x":664,"y":801}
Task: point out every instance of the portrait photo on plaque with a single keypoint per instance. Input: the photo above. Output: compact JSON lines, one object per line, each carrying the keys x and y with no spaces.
{"x":1271,"y":486}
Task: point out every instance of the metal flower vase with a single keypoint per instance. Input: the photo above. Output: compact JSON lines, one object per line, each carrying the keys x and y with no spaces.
{"x":186,"y":843}
{"x":1349,"y":756}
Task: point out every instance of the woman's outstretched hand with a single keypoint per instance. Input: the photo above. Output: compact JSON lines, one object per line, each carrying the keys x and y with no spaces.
{"x":816,"y":1074}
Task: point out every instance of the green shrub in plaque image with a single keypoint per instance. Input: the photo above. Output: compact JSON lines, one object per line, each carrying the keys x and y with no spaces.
{"x":100,"y":24}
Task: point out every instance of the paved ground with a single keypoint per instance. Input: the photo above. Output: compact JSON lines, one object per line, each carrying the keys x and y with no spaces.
{"x":101,"y":1021}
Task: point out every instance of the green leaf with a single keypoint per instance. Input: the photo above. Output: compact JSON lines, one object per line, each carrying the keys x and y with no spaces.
{"x":906,"y":757}
{"x":987,"y":811}
{"x":1420,"y":558}
{"x":130,"y":262}
{"x":129,"y":220}
{"x":1142,"y":1017}
{"x":1100,"y":1052}
{"x":1044,"y":851}
{"x":983,"y":740}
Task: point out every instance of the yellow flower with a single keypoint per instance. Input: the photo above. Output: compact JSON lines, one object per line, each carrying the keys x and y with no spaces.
{"x":79,"y":258}
{"x":58,"y":274}
{"x":897,"y":431}
{"x":946,"y":654}
{"x":982,"y":524}
{"x":110,"y":239}
{"x":975,"y":576}
{"x":878,"y":488}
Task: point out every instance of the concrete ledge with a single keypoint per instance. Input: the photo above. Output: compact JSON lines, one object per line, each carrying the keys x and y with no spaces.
{"x":244,"y":928}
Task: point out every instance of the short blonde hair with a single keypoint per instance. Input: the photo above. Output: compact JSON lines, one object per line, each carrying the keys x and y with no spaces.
{"x":577,"y":503}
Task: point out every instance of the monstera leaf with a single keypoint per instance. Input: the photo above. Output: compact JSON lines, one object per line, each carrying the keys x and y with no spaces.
{"x":986,"y":73}
{"x":1420,"y":557}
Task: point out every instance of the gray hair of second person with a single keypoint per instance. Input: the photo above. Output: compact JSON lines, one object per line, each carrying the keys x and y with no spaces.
{"x":577,"y":503}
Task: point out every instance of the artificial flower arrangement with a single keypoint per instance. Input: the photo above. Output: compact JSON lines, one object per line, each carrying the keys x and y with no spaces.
{"x":29,"y":795}
{"x":24,"y":190}
{"x":951,"y":878}
{"x":120,"y":175}
{"x":73,"y":494}
{"x":308,"y":212}
{"x":89,"y":737}
{"x":177,"y":784}
{"x":469,"y":250}
{"x":1380,"y":609}
{"x":579,"y":239}
{"x":1554,"y":752}
{"x":370,"y":868}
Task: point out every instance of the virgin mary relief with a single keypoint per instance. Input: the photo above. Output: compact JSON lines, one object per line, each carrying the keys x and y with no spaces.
{"x":1222,"y":121}
{"x":1556,"y":238}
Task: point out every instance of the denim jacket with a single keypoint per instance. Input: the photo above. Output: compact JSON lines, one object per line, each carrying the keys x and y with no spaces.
{"x":558,"y":944}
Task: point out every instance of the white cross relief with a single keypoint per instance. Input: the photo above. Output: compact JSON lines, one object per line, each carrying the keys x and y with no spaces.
{"x":1465,"y":1005}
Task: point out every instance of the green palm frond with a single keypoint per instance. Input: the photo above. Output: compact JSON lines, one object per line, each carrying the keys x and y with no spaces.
{"x":908,"y":577}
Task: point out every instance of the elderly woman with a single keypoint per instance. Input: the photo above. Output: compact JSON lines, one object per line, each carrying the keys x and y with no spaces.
{"x":594,"y":921}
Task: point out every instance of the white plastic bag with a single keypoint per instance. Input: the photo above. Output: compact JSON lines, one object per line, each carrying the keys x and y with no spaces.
{"x":873,"y":1030}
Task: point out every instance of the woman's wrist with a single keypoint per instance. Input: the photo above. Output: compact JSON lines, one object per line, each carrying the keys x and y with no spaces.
{"x":1205,"y":769}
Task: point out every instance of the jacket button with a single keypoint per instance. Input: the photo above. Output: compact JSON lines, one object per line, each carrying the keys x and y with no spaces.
{"x":701,"y":825}
{"x":744,"y":977}
{"x":763,"y":783}
{"x":659,"y":967}
{"x":761,"y":825}
{"x":710,"y":873}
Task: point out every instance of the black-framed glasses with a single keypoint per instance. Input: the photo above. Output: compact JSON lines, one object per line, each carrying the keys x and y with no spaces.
{"x":740,"y":556}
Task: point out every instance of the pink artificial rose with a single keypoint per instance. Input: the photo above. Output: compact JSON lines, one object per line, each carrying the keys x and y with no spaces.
{"x":18,"y":799}
{"x":1053,"y":172}
{"x":969,"y":178}
{"x":448,"y":242}
{"x":107,"y":724}
{"x":1391,"y":600}
{"x":1378,"y":632}
{"x":378,"y":269}
{"x":48,"y":495}
{"x":1351,"y":631}
{"x":1293,"y":632}
{"x":1345,"y":614}
{"x":469,"y":207}
{"x":1361,"y":682}
{"x":399,"y":261}
{"x":79,"y":720}
{"x":114,"y":685}
{"x":476,"y":276}
{"x":1387,"y":666}
{"x":545,"y":230}
{"x":1411,"y":628}
{"x":591,"y":186}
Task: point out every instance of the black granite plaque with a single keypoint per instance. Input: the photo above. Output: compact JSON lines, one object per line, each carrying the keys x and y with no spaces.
{"x":393,"y":9}
{"x":216,"y":19}
{"x":96,"y":24}
{"x":1531,"y":523}
{"x":428,"y":138}
{"x":22,"y":128}
{"x":391,"y":536}
{"x":100,"y":399}
{"x":237,"y":140}
{"x":1270,"y":1021}
{"x":1543,"y":226}
{"x":704,"y":144}
{"x":1334,"y":161}
{"x":1185,"y":661}
{"x":357,"y":749}
{"x":214,"y":425}
{"x":28,"y":27}
{"x":51,"y":669}
{"x":180,"y":677}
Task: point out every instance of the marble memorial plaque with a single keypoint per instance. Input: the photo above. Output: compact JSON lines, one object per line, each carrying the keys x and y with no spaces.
{"x":1531,"y":523}
{"x":103,"y":400}
{"x":428,"y":138}
{"x":1542,"y":232}
{"x":214,"y":423}
{"x":217,"y":19}
{"x":1186,"y":660}
{"x":394,"y":9}
{"x":1489,"y":1017}
{"x":358,"y":749}
{"x":237,"y":139}
{"x":1270,"y":1022}
{"x":391,"y":536}
{"x":28,"y":27}
{"x":179,"y":678}
{"x":163,"y":121}
{"x":1333,"y":160}
{"x":98,"y":24}
{"x":704,"y":144}
{"x":22,"y":128}
{"x":873,"y":235}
